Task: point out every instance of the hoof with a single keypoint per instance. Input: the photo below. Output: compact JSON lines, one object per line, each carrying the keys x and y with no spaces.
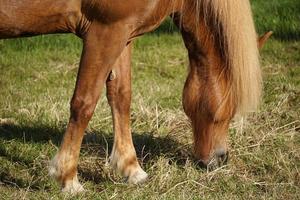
{"x":138,"y":177}
{"x":72,"y":186}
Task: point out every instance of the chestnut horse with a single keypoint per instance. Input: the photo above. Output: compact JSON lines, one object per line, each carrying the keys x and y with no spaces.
{"x":224,"y":75}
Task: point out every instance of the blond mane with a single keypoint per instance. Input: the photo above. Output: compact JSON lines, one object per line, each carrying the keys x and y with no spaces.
{"x":234,"y":17}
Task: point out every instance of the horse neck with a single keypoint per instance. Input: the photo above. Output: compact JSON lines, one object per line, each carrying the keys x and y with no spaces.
{"x":203,"y":39}
{"x":208,"y":63}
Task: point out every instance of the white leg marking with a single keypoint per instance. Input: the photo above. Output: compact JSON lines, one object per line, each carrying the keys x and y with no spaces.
{"x":134,"y":173}
{"x":54,"y":167}
{"x":58,"y":165}
{"x":62,"y":162}
{"x":73,"y":186}
{"x":138,"y":176}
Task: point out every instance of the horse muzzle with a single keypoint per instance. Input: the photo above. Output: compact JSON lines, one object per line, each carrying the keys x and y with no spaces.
{"x":217,"y":160}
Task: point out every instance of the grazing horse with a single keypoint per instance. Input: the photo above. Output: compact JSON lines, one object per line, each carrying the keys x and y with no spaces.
{"x":224,"y":75}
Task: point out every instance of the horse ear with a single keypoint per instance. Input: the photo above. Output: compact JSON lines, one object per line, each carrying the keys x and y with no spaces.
{"x":262,"y":39}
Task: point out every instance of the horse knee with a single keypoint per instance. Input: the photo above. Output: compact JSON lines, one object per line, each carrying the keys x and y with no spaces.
{"x":82,"y":108}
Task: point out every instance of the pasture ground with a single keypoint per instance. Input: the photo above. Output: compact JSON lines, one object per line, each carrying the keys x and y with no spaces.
{"x":37,"y":77}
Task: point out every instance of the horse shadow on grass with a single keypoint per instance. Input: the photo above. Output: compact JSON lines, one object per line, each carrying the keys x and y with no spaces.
{"x":96,"y":145}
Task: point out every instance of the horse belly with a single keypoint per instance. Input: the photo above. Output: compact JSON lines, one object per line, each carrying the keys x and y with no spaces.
{"x":33,"y":17}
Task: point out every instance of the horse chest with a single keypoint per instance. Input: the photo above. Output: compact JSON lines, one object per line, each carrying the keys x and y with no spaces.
{"x":142,"y":15}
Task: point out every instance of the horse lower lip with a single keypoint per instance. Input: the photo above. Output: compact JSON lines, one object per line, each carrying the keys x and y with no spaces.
{"x":216,"y":161}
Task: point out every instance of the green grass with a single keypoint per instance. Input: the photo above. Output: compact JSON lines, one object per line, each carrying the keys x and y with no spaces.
{"x":280,"y":16}
{"x":37,"y":77}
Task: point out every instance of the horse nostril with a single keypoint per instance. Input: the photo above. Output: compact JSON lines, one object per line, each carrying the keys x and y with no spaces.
{"x":201,"y":164}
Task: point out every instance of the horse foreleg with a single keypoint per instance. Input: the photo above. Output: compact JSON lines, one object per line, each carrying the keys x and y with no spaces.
{"x":96,"y":62}
{"x":123,"y":157}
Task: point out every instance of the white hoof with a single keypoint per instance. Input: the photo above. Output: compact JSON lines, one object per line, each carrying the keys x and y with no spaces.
{"x":73,"y":186}
{"x":138,"y":177}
